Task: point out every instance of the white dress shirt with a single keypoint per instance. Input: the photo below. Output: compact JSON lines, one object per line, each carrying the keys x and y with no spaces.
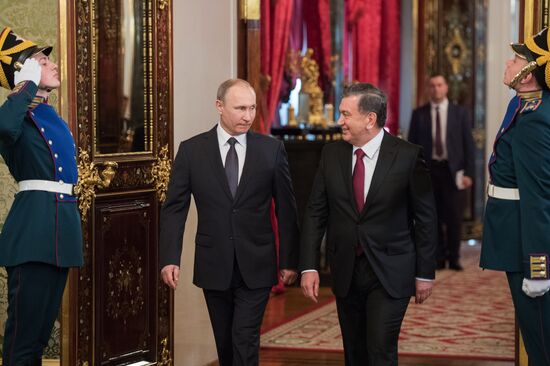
{"x":443,"y":113}
{"x":371,"y":150}
{"x":240,"y":147}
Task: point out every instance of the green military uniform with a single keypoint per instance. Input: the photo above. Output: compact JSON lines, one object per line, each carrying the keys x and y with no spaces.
{"x":41,"y":237}
{"x":516,"y":233}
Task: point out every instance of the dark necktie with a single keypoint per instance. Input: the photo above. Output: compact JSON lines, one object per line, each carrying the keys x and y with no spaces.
{"x":438,"y":140}
{"x":359,"y":188}
{"x":232,"y":166}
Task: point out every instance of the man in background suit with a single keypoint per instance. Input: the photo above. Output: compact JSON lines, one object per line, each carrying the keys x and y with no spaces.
{"x":443,"y":129}
{"x":381,"y":250}
{"x":233,"y":175}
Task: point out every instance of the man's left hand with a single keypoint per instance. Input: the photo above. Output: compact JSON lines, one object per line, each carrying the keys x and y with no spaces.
{"x":288,"y":276}
{"x":467,"y":182}
{"x":535,"y":288}
{"x":423,"y":290}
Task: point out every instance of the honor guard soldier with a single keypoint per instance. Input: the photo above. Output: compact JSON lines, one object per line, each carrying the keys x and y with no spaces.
{"x":41,"y":237}
{"x":516,"y":234}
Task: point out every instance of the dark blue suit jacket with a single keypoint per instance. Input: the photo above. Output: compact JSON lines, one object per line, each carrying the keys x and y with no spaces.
{"x":459,"y":141}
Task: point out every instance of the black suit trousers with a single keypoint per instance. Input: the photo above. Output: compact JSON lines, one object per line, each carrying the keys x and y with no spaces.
{"x":236,"y":315}
{"x":370,"y":319}
{"x":449,"y":205}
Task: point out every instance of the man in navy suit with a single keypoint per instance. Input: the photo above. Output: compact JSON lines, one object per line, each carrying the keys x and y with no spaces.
{"x":443,"y":129}
{"x":234,"y":176}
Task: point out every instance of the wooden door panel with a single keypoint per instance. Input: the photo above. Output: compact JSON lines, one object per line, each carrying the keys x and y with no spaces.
{"x":126,"y":277}
{"x":119,"y":310}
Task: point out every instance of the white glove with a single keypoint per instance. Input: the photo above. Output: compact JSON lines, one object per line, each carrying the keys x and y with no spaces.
{"x":534,"y":288}
{"x":30,"y":70}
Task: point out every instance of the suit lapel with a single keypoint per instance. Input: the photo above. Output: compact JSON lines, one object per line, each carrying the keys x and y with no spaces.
{"x":345,"y":160}
{"x":212,"y":151}
{"x":450,"y":125}
{"x":386,"y":157}
{"x":251,"y":150}
{"x":428,"y":118}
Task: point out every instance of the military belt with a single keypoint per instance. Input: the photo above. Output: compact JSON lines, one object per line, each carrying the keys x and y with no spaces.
{"x":46,"y":185}
{"x":502,"y":193}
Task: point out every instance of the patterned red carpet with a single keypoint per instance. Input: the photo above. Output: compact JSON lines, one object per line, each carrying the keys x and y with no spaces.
{"x":470,"y":315}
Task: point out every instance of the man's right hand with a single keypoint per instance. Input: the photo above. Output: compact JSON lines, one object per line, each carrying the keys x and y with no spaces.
{"x":310,"y":285}
{"x":170,"y":275}
{"x":31,"y":70}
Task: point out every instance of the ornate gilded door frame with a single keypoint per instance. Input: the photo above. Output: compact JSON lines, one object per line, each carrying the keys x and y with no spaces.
{"x":139,"y":183}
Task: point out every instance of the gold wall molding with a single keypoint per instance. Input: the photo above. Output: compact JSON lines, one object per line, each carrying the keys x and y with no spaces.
{"x":250,"y":9}
{"x":166,"y":357}
{"x":160,"y":173}
{"x":90,"y":178}
{"x":163,"y":4}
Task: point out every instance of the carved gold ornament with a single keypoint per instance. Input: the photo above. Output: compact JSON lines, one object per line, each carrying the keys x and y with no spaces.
{"x":89,"y":178}
{"x":163,"y":4}
{"x":161,"y":173}
{"x":165,"y":357}
{"x":310,"y":86}
{"x":456,"y":51}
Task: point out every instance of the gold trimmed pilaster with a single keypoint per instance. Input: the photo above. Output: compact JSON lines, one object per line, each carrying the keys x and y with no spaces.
{"x":250,"y":10}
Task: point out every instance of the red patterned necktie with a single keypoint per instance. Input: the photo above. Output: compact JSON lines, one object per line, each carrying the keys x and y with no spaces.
{"x":359,"y":180}
{"x":359,"y":188}
{"x":438,"y":140}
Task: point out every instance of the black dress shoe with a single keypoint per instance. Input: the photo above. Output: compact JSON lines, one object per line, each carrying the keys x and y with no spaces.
{"x":440,"y":265}
{"x":455,"y":266}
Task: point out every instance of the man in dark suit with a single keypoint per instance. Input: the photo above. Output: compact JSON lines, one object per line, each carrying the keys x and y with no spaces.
{"x":443,"y":129}
{"x":41,"y":237}
{"x":381,"y":250}
{"x":233,"y":175}
{"x":516,"y":227}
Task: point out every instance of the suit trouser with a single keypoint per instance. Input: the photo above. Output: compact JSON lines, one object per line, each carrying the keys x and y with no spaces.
{"x":370,"y":319}
{"x":34,"y":296}
{"x":533,"y":316}
{"x":448,"y":201}
{"x":236,"y":315}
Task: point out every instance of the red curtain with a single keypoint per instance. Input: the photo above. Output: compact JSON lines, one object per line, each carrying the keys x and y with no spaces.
{"x":317,"y":21}
{"x":374,"y":31}
{"x":276,"y":16}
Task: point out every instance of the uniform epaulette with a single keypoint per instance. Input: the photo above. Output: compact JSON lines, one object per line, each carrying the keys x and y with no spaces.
{"x":23,"y":87}
{"x":36,"y":101}
{"x":531,"y":106}
{"x":18,"y":88}
{"x":538,"y":266}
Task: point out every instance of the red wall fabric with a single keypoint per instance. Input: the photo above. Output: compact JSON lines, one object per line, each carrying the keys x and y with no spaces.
{"x":374,"y":29}
{"x":276,"y":19}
